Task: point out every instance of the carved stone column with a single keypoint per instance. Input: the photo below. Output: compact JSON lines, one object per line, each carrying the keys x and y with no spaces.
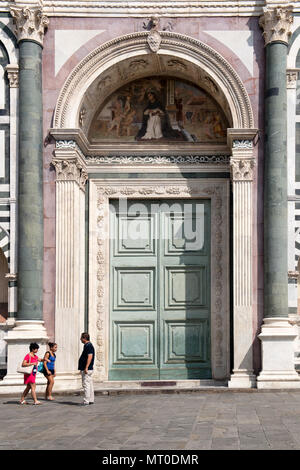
{"x":242,"y":170}
{"x":30,"y":25}
{"x":70,"y":260}
{"x":277,"y":335}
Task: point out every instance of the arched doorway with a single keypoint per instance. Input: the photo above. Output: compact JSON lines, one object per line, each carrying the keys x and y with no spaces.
{"x":94,"y":145}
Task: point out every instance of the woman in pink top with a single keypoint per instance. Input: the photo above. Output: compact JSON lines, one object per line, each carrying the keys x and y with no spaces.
{"x":29,"y":379}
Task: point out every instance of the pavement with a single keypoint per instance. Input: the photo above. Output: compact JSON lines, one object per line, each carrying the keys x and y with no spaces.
{"x":199,"y":420}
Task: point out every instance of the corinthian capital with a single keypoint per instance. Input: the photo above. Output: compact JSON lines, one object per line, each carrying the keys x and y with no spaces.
{"x":276,"y":23}
{"x":242,"y":169}
{"x":30,"y":22}
{"x":70,"y":169}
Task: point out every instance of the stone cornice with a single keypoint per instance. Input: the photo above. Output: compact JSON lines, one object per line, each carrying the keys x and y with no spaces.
{"x":30,"y":22}
{"x":277,"y":24}
{"x":76,"y":139}
{"x":140,"y":8}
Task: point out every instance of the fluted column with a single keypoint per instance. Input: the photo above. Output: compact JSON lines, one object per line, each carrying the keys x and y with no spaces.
{"x":70,"y":261}
{"x":277,"y":335}
{"x":242,"y":170}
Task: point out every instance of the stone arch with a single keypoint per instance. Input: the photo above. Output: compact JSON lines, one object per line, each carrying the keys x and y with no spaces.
{"x":183,"y":48}
{"x":10,"y":43}
{"x":293,"y":49}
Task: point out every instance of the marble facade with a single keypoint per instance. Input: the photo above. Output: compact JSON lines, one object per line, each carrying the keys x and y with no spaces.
{"x":91,"y":48}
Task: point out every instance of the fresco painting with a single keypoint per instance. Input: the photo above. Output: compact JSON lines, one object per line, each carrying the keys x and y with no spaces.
{"x":158,"y":110}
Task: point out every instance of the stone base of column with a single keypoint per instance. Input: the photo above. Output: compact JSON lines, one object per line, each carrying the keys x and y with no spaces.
{"x":278,"y":355}
{"x":67,"y":381}
{"x":242,"y":379}
{"x":18,"y":340}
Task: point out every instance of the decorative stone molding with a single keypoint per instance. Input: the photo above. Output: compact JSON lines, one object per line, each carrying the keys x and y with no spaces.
{"x":11,"y":276}
{"x":70,"y":169}
{"x":13,"y":75}
{"x":242,"y":169}
{"x":293,"y":275}
{"x":133,"y":8}
{"x":218,"y":193}
{"x":202,"y":56}
{"x":292,"y":77}
{"x":158,"y":160}
{"x":242,"y":144}
{"x":277,"y":23}
{"x":30,"y":23}
{"x":65,"y":144}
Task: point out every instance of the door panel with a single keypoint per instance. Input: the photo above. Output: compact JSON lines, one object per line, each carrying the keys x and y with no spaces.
{"x":160,"y":290}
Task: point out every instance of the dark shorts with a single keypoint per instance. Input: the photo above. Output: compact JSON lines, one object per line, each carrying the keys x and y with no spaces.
{"x":51,"y":372}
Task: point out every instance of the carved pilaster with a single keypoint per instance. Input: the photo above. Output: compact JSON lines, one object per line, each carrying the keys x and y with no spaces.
{"x":70,"y":257}
{"x":277,"y":23}
{"x":242,"y":165}
{"x":30,"y":23}
{"x":13,"y":75}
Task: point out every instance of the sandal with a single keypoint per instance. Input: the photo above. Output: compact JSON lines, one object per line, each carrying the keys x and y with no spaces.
{"x":37,"y":403}
{"x":23,"y":402}
{"x":50,"y":398}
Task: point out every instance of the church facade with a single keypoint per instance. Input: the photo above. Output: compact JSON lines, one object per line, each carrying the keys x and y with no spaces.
{"x":150,"y":190}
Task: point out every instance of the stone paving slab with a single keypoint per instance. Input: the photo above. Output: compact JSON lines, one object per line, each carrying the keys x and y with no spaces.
{"x":189,"y":421}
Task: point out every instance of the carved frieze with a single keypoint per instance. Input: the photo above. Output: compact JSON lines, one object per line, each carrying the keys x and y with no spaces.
{"x":30,"y":23}
{"x":157,"y":159}
{"x":242,"y":144}
{"x":277,"y":24}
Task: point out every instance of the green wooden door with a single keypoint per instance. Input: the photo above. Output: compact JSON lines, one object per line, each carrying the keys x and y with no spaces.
{"x":160,"y":290}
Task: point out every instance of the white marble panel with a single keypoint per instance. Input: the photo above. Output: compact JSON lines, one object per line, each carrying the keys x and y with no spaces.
{"x":68,"y":41}
{"x":2,"y":154}
{"x":2,"y":88}
{"x":240,"y":42}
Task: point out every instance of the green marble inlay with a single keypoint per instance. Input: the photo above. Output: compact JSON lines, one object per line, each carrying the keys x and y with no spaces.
{"x":275,"y":184}
{"x":30,"y":254}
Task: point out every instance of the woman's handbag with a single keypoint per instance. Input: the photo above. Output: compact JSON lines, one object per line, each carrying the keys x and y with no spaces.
{"x":40,"y":367}
{"x":25,"y":369}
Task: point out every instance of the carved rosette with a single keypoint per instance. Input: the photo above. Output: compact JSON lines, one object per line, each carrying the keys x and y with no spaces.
{"x":242,"y":169}
{"x":277,"y":23}
{"x":30,"y":23}
{"x":13,"y":75}
{"x":70,"y":170}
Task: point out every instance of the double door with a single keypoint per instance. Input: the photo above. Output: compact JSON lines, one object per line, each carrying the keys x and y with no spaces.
{"x":159,"y":290}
